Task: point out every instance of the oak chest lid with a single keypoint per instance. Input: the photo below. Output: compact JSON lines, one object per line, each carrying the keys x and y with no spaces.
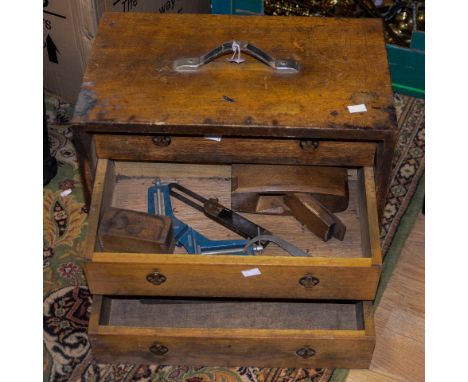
{"x":235,"y":75}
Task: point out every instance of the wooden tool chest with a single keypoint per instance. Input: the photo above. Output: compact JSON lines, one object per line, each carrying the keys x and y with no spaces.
{"x":152,"y":106}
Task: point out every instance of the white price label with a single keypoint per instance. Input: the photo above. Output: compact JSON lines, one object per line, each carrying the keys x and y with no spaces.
{"x":216,"y":138}
{"x":251,"y":272}
{"x":361,"y":108}
{"x":67,"y":192}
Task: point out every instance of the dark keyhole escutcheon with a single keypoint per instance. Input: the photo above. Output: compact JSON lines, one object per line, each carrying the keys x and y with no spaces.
{"x":309,"y":144}
{"x":162,"y":140}
{"x":158,"y":349}
{"x":305,"y":352}
{"x":156,"y":278}
{"x":309,"y":281}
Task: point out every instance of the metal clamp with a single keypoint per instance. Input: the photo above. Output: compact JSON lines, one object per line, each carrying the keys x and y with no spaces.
{"x":159,"y":202}
{"x":236,"y":47}
{"x":283,"y":244}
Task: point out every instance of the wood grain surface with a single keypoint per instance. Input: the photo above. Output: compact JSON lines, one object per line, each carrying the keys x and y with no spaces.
{"x":399,"y":319}
{"x":226,"y":347}
{"x":100,"y":200}
{"x":282,"y":179}
{"x":218,"y":276}
{"x":131,"y":86}
{"x":132,"y":231}
{"x":261,"y":189}
{"x":315,"y":216}
{"x":234,"y":150}
{"x":368,"y":212}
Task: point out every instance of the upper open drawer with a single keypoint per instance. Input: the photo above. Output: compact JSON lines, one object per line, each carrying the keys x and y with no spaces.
{"x":347,"y":269}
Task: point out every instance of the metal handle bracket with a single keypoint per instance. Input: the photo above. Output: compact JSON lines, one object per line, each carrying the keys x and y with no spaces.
{"x":236,"y":47}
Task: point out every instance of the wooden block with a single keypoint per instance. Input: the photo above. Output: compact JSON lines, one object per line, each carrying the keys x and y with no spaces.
{"x":315,"y":216}
{"x":131,"y":231}
{"x":261,"y":188}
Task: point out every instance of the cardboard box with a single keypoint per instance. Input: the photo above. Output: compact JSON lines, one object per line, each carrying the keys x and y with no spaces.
{"x":70,"y":27}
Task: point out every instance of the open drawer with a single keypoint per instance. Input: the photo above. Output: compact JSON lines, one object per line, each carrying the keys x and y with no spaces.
{"x":232,"y":333}
{"x":348,"y":269}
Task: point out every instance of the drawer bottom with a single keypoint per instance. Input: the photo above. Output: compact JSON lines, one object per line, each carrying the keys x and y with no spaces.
{"x":232,"y":332}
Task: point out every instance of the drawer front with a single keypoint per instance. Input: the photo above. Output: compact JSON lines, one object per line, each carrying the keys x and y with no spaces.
{"x":222,"y":276}
{"x":112,"y":341}
{"x":234,"y":150}
{"x":198,"y":349}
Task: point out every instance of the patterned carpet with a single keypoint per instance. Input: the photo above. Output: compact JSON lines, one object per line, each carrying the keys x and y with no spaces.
{"x":67,"y":300}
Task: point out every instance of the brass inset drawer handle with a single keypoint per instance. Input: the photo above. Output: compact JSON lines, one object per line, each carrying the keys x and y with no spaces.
{"x":156,"y":278}
{"x":158,"y":349}
{"x":162,"y":140}
{"x":308,"y":144}
{"x":309,"y":281}
{"x":305,"y":352}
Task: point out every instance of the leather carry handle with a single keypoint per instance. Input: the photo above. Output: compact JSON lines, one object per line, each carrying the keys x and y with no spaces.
{"x":236,"y":48}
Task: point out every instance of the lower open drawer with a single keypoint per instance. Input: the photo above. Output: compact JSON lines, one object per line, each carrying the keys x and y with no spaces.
{"x":231,"y":332}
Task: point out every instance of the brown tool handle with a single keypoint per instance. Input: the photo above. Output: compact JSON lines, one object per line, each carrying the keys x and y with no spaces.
{"x":236,"y":48}
{"x":315,"y":216}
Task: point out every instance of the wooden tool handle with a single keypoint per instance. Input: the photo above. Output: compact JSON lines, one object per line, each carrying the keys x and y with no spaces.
{"x":315,"y":216}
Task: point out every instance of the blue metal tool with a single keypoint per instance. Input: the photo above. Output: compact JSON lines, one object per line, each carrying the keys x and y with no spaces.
{"x":159,"y":202}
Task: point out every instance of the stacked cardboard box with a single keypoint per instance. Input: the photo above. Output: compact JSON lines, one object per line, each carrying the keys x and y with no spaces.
{"x":70,"y":27}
